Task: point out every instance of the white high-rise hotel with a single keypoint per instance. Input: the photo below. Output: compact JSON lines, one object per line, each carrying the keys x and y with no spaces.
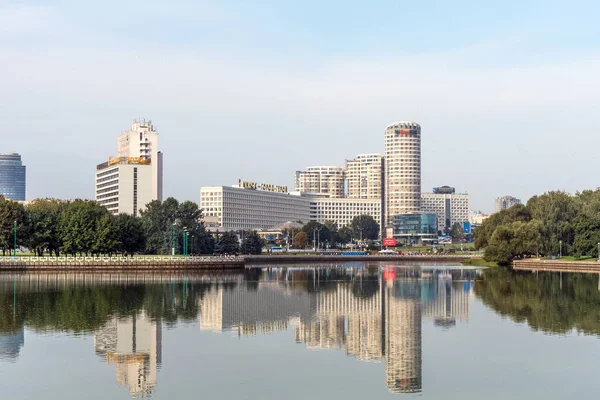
{"x":402,"y":169}
{"x":126,"y":183}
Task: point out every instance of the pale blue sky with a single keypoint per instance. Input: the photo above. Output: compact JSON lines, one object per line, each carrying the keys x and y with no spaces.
{"x":506,"y":93}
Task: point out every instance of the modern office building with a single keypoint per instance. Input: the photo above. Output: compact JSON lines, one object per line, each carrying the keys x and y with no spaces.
{"x":402,"y":170}
{"x":364,"y":176}
{"x":505,"y":202}
{"x":134,"y":346}
{"x":450,"y":207}
{"x":126,"y":183}
{"x":241,"y":208}
{"x":342,"y":211}
{"x":415,"y":228}
{"x":325,"y":180}
{"x":12,"y":177}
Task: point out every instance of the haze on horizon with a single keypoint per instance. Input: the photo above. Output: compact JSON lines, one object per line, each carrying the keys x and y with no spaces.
{"x":506,"y":94}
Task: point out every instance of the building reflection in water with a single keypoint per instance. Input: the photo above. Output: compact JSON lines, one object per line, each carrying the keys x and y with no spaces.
{"x":11,"y":344}
{"x":374,"y":316}
{"x":133,"y":345}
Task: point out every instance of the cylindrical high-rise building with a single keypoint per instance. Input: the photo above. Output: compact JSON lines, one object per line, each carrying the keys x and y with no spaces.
{"x":402,"y":169}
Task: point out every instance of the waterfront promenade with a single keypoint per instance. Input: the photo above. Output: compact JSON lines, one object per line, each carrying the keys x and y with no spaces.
{"x":197,"y":263}
{"x":557,"y":266}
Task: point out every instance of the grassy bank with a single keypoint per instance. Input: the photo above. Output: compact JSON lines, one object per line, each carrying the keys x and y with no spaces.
{"x":478,"y":262}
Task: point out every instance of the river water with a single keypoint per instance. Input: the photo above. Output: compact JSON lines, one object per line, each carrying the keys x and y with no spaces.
{"x":348,"y":331}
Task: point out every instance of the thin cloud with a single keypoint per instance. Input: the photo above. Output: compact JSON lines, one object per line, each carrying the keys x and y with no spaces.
{"x":20,"y":20}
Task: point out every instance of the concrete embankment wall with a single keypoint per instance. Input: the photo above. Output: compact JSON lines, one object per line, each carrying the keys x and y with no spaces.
{"x":325,"y":259}
{"x":200,"y":263}
{"x":557,"y":266}
{"x":120,"y":265}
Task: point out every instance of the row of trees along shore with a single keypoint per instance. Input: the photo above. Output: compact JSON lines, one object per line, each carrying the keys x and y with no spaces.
{"x":552,"y":224}
{"x":55,"y":227}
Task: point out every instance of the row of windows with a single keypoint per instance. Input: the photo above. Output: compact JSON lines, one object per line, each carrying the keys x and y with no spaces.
{"x":111,"y":188}
{"x":108,"y":178}
{"x":104,"y":196}
{"x":108,"y":172}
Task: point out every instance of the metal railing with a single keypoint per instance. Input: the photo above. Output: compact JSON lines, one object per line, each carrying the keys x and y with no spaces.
{"x":121,"y":259}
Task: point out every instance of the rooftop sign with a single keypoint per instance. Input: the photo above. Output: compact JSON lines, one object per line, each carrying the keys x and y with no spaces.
{"x":262,"y":186}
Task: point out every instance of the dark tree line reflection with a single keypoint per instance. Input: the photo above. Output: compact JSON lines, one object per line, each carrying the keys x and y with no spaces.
{"x":551,"y":302}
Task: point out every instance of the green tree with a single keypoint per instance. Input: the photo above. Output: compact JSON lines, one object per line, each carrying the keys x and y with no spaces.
{"x":316,"y":231}
{"x":345,"y":235}
{"x":300,"y":241}
{"x":228,"y":243}
{"x":11,"y":212}
{"x":364,"y":227}
{"x":457,"y":232}
{"x":252,"y":243}
{"x":43,"y":217}
{"x":159,"y":219}
{"x":106,"y":238}
{"x":77,"y":226}
{"x":131,"y":234}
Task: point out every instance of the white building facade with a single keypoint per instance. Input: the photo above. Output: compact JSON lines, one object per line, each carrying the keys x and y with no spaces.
{"x":450,"y":208}
{"x":128,"y":182}
{"x":235,"y":208}
{"x":326,"y":180}
{"x":363,"y":176}
{"x":343,"y":211}
{"x":402,"y":169}
{"x":124,"y":185}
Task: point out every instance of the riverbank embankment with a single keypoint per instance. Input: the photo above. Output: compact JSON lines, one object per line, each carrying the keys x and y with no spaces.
{"x":198,"y":263}
{"x":557,"y":266}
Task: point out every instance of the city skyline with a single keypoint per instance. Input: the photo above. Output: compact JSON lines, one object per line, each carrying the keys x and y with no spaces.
{"x":488,"y":117}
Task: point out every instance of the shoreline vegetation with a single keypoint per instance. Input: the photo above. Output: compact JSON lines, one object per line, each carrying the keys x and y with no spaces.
{"x":554,"y":225}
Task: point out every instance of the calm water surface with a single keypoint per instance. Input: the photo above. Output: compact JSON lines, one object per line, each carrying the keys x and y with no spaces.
{"x":349,"y":331}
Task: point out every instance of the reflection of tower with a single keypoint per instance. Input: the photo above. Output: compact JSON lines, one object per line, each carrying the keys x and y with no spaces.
{"x":323,"y":333}
{"x":403,"y":336}
{"x":265,"y":309}
{"x":10,"y":345}
{"x":446,"y":301}
{"x":134,"y":345}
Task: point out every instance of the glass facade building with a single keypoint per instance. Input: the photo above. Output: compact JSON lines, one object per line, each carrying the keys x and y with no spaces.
{"x":12,"y":177}
{"x":415,"y":228}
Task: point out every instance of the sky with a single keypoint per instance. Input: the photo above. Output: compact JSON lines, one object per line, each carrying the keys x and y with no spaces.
{"x":507,"y":92}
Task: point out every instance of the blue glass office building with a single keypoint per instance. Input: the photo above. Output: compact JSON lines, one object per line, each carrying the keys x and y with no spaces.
{"x":415,"y":228}
{"x":12,"y":176}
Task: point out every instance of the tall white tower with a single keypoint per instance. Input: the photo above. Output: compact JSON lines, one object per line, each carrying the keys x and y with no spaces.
{"x":402,"y":169}
{"x":128,"y":182}
{"x":141,"y":140}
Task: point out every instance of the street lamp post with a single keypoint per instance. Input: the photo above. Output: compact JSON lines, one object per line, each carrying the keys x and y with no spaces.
{"x":173,"y":239}
{"x":560,"y":251}
{"x":184,"y":237}
{"x":15,"y":237}
{"x":192,"y":246}
{"x":187,"y":244}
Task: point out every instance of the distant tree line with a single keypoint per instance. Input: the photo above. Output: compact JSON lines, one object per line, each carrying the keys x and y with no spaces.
{"x":551,"y":224}
{"x":362,"y":228}
{"x":84,"y":227}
